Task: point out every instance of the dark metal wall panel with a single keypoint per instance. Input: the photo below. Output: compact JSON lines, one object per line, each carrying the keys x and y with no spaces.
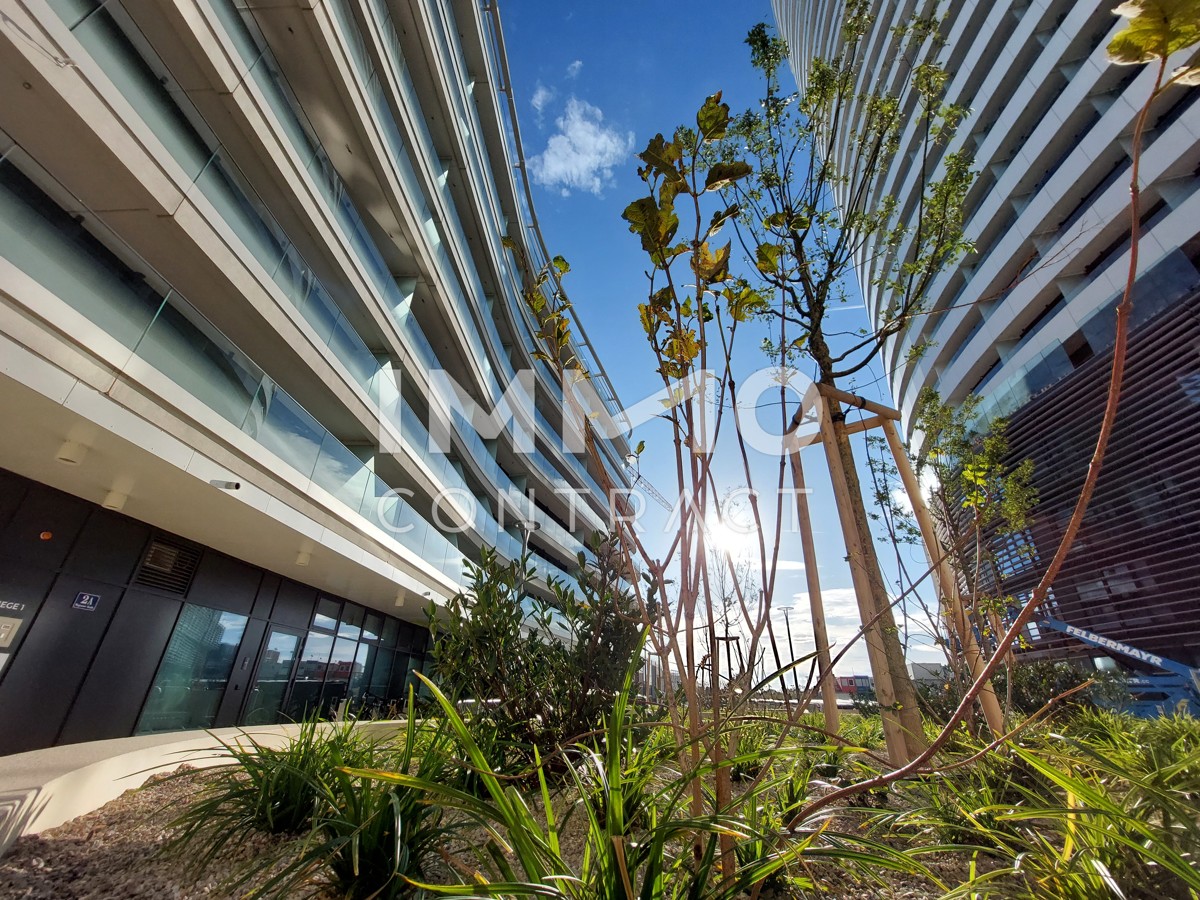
{"x":12,"y":491}
{"x":265,"y":598}
{"x":108,"y":548}
{"x":84,"y":674}
{"x":22,"y":590}
{"x":111,"y":699}
{"x":43,"y":679}
{"x":44,"y":528}
{"x":294,"y":604}
{"x":225,"y":583}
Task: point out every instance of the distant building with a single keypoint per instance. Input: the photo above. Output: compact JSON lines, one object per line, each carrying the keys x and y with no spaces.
{"x":929,"y":673}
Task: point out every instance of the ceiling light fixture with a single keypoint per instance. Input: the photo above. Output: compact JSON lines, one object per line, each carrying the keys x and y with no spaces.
{"x":71,"y":453}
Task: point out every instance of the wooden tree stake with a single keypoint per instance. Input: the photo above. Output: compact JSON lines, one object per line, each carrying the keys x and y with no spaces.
{"x":813,"y":580}
{"x":947,"y":585}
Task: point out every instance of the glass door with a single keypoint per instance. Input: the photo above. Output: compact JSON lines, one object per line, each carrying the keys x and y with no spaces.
{"x":264,"y":702}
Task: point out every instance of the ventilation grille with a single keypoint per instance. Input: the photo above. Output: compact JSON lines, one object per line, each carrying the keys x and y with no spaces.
{"x":169,"y":566}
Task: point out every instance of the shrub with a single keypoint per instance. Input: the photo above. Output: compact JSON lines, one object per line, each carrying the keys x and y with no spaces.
{"x":368,"y":838}
{"x":535,"y":689}
{"x":266,"y":788}
{"x":373,"y":839}
{"x":1034,"y":684}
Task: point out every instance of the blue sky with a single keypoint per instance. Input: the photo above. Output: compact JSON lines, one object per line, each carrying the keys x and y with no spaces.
{"x":593,"y":83}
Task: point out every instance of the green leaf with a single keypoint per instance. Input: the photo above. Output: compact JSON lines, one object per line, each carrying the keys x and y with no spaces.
{"x":1156,"y":29}
{"x":723,"y":174}
{"x":720,"y":217}
{"x":662,"y":158}
{"x":561,"y":265}
{"x":767,"y":258}
{"x":743,"y":301}
{"x":661,"y":300}
{"x":654,"y":224}
{"x":713,"y":118}
{"x":640,"y":447}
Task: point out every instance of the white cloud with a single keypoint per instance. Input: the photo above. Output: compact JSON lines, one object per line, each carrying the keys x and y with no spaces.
{"x":790,"y":565}
{"x":583,"y":152}
{"x":573,"y":68}
{"x":841,"y":624}
{"x":542,"y":95}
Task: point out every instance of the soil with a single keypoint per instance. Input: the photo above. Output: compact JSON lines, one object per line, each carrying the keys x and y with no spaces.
{"x":116,"y":852}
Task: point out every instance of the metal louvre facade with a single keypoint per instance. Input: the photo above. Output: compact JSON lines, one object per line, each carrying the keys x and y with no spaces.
{"x":1024,"y":321}
{"x":1133,"y":573}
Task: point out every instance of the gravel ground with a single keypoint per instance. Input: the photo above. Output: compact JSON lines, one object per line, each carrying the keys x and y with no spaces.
{"x":114,"y":853}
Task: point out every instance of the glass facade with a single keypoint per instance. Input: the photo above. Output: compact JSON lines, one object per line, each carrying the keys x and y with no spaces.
{"x":333,"y":670}
{"x":220,"y":248}
{"x":194,"y":672}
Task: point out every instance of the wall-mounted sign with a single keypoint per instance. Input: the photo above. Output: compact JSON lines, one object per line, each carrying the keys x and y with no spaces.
{"x":87,"y":602}
{"x":8,"y":631}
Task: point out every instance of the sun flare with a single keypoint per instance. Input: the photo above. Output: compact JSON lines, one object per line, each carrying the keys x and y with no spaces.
{"x":732,"y":537}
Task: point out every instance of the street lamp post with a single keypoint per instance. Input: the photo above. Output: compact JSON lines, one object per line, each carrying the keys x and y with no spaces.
{"x":787,"y":621}
{"x":527,"y":528}
{"x":728,"y":640}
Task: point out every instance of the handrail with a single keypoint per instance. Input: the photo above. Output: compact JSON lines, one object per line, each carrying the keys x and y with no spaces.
{"x":599,"y":374}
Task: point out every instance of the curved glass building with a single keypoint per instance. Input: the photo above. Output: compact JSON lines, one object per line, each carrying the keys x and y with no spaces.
{"x":1027,"y":320}
{"x":267,"y":370}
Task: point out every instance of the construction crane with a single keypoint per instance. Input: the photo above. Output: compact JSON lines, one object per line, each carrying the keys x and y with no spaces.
{"x":1153,"y":695}
{"x":636,"y":478}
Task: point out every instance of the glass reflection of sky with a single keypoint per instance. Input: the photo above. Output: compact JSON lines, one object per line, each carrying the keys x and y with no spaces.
{"x":317,"y":648}
{"x":232,"y":626}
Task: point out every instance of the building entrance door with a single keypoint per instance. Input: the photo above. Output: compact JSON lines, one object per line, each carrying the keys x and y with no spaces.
{"x":277,"y":662}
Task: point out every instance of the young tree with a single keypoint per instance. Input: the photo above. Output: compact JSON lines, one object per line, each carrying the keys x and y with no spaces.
{"x":1157,"y":30}
{"x":805,"y":216}
{"x":541,"y":690}
{"x":977,"y":497}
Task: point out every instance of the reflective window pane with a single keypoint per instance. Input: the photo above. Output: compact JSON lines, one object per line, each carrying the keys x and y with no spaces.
{"x":337,"y":675}
{"x":326,"y":615}
{"x":390,"y":629}
{"x":271,"y":680}
{"x":310,"y":675}
{"x":194,"y":672}
{"x":372,"y":627}
{"x":352,"y":619}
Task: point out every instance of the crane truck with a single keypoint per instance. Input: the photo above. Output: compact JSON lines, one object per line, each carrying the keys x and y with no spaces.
{"x":1177,"y":691}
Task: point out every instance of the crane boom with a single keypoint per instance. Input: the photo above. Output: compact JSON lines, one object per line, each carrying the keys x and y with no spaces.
{"x":1180,"y":689}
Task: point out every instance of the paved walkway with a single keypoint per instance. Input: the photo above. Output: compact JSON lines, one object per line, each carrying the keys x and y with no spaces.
{"x":44,"y":788}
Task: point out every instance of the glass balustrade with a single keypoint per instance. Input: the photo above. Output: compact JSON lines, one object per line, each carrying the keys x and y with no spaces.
{"x":400,"y":155}
{"x":167,"y":334}
{"x":219,"y":180}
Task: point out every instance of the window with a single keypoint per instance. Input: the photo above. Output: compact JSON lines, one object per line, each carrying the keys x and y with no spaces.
{"x":194,"y":672}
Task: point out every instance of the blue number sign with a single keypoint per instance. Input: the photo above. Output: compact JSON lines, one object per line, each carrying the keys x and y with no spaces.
{"x":87,"y":602}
